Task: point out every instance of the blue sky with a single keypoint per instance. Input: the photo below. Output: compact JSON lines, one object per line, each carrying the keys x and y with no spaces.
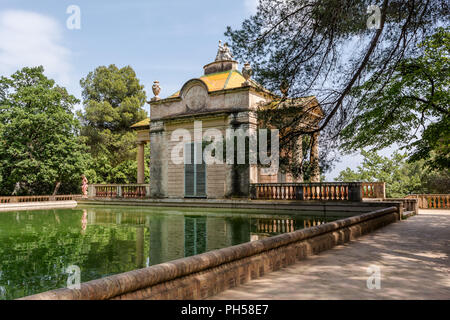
{"x":169,"y":41}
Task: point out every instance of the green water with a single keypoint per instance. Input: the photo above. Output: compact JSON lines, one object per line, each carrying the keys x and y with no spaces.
{"x":36,"y":247}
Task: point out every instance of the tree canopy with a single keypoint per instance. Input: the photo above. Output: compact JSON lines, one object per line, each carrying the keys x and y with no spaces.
{"x":327,"y":48}
{"x":401,"y":177}
{"x":413,"y":108}
{"x":113,"y":100}
{"x":39,"y":143}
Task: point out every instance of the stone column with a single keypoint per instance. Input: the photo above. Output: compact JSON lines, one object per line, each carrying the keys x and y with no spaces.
{"x":237,"y":181}
{"x":140,"y":163}
{"x":314,"y":159}
{"x":158,"y":160}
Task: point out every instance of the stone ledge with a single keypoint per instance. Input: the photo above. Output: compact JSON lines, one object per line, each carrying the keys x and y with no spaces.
{"x":344,"y":207}
{"x":41,"y":205}
{"x":206,"y":274}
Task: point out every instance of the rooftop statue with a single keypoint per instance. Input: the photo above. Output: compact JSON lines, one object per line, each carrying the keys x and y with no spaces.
{"x":223,"y":53}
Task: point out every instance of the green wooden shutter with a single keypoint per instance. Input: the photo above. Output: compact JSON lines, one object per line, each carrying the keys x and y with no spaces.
{"x":201,"y":180}
{"x":194,"y":174}
{"x":189,"y":170}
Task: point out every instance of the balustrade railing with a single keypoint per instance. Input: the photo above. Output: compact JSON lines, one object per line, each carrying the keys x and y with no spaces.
{"x":373,"y":190}
{"x":339,"y":191}
{"x":431,"y":201}
{"x":119,"y":191}
{"x":19,"y":199}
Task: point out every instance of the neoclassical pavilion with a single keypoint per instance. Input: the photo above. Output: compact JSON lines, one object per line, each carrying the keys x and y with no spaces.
{"x":222,"y":98}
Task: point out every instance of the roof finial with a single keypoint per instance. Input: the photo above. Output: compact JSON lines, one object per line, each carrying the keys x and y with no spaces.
{"x":156,"y":90}
{"x":247,"y":72}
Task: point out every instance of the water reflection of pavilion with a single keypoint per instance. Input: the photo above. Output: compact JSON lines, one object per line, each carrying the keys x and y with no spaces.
{"x":164,"y":237}
{"x":171,"y":237}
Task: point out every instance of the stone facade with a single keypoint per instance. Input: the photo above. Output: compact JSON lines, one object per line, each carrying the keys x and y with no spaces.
{"x":220,"y":99}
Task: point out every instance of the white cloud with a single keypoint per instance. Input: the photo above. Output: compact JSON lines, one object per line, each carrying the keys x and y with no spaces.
{"x":251,"y":6}
{"x":30,"y":39}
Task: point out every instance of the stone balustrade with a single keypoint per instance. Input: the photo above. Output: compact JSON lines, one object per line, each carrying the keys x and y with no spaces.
{"x":339,"y":191}
{"x":374,"y":190}
{"x":431,"y":201}
{"x":128,"y":191}
{"x":20,"y":199}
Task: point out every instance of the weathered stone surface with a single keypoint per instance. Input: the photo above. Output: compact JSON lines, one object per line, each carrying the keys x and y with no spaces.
{"x":413,"y":257}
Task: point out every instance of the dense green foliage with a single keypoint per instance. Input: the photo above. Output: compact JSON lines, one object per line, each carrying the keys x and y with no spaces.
{"x":401,"y":177}
{"x":113,"y":100}
{"x":39,"y":143}
{"x":413,"y":108}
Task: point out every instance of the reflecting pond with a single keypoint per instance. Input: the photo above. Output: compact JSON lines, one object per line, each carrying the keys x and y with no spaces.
{"x":36,"y":247}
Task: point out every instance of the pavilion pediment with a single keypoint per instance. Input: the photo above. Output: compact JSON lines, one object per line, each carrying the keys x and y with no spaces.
{"x":194,"y":95}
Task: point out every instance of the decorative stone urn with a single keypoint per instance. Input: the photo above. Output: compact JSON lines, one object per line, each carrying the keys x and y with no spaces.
{"x":247,"y":72}
{"x":156,"y":90}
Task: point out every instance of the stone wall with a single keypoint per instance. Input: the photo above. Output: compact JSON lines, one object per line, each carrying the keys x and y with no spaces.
{"x":215,"y":173}
{"x":207,"y":274}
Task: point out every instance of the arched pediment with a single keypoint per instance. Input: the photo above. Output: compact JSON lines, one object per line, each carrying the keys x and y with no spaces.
{"x":194,"y":94}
